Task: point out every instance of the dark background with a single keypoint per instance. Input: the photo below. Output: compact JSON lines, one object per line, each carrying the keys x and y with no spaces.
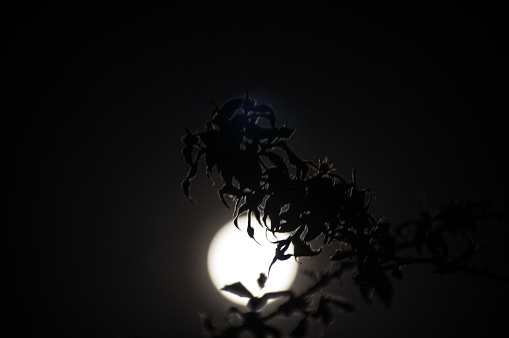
{"x":102,"y":242}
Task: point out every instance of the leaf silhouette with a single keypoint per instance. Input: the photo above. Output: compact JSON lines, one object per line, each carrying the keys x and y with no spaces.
{"x":301,"y":249}
{"x":261,"y":280}
{"x":188,"y":153}
{"x":191,"y":174}
{"x":238,"y":289}
{"x":280,"y":254}
{"x":186,"y":184}
{"x":258,"y":303}
{"x":228,"y":190}
{"x":314,"y":231}
{"x":250,"y":229}
{"x":255,"y":303}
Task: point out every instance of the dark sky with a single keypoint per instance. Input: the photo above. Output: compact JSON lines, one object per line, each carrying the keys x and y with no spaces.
{"x":104,"y":243}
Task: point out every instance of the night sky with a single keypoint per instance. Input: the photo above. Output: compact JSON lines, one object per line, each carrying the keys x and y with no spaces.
{"x":103,"y":243}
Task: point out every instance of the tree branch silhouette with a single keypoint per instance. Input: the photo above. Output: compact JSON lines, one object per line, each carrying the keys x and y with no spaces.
{"x":303,"y":201}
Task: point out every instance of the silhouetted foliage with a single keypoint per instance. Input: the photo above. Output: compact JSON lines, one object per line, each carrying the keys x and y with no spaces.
{"x":304,"y":201}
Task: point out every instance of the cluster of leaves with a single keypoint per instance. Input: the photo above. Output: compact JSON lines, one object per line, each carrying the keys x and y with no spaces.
{"x":286,"y":194}
{"x":304,"y":201}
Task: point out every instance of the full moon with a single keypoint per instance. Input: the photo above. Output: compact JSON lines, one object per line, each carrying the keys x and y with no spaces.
{"x":235,"y":257}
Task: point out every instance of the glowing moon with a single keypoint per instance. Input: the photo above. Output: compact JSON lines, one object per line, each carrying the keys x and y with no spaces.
{"x":234,"y":257}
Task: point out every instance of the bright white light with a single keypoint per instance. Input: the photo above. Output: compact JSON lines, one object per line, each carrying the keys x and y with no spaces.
{"x":234,"y":257}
